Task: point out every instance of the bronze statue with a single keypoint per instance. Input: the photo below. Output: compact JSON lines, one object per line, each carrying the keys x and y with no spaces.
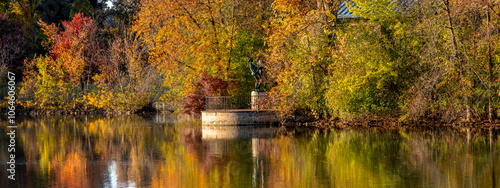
{"x":259,"y":73}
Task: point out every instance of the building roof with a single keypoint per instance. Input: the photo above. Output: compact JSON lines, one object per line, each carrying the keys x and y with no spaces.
{"x":344,"y":11}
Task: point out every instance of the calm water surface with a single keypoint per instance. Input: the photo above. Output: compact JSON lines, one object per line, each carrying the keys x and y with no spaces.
{"x":161,"y":151}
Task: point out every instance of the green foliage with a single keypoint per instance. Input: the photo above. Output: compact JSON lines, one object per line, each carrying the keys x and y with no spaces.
{"x":241,"y":81}
{"x":81,"y":6}
{"x":300,"y":53}
{"x":376,"y":68}
{"x":401,"y":60}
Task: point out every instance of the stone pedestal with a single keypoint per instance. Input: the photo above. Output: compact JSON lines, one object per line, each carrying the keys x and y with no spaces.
{"x":258,"y":97}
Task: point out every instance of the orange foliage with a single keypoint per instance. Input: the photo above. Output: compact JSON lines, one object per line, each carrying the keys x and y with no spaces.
{"x":73,"y":45}
{"x":186,"y":38}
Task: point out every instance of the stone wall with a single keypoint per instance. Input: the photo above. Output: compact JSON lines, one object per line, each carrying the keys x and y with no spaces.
{"x":238,"y":117}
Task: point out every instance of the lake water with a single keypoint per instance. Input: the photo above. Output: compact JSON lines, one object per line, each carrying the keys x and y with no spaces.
{"x":161,"y":151}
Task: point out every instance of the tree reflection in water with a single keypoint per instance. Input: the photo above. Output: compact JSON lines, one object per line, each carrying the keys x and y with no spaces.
{"x":134,"y":151}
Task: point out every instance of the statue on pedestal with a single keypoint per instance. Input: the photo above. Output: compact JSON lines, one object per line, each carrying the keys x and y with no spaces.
{"x":259,"y":73}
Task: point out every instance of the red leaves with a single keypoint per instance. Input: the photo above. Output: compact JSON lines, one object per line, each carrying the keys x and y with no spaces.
{"x":211,"y":86}
{"x":206,"y":86}
{"x":74,"y":45}
{"x":79,"y":30}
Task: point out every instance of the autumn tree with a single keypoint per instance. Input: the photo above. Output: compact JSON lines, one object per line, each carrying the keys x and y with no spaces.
{"x":433,"y":56}
{"x":456,"y":85}
{"x":61,"y":76}
{"x":471,"y":21}
{"x":376,"y":61}
{"x":187,"y":38}
{"x":492,"y":10}
{"x":301,"y":41}
{"x":125,"y":80}
{"x":76,"y":44}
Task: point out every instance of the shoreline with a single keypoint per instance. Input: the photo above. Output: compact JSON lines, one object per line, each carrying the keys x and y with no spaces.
{"x":388,"y":122}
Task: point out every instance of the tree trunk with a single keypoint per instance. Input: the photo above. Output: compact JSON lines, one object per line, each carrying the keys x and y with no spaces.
{"x":490,"y":70}
{"x":456,"y":58}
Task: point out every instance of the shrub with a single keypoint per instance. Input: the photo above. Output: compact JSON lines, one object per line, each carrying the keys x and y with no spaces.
{"x":206,"y":86}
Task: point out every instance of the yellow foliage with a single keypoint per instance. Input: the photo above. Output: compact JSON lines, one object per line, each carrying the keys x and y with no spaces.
{"x":187,"y":38}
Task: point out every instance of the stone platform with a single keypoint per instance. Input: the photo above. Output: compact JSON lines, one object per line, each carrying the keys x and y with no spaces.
{"x":238,"y":117}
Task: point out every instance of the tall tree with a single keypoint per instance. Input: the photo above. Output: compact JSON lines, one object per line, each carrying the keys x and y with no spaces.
{"x":301,"y":50}
{"x":82,"y":6}
{"x":187,"y":38}
{"x":25,"y":13}
{"x":74,"y":46}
